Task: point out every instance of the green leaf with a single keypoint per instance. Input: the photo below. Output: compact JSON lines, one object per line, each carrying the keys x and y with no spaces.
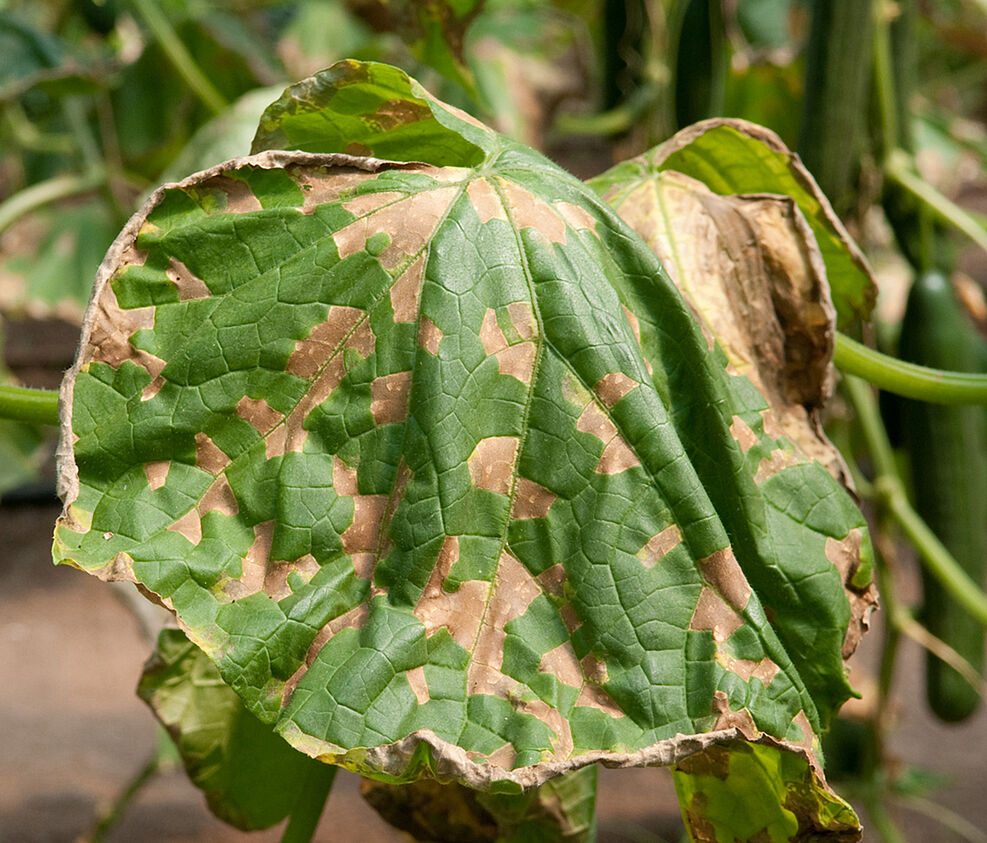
{"x":53,"y":275}
{"x":747,"y":791}
{"x":365,"y":108}
{"x":735,"y":157}
{"x":251,"y":778}
{"x":436,"y":465}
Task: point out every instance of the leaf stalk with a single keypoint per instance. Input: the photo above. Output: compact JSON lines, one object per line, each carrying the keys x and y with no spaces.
{"x":39,"y":406}
{"x":936,"y":386}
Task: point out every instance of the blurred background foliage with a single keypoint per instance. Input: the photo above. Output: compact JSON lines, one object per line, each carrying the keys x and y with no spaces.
{"x":102,"y":100}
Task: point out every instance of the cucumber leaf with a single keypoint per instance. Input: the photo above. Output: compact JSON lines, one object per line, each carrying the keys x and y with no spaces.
{"x":228,"y":753}
{"x":733,"y":156}
{"x":433,"y":461}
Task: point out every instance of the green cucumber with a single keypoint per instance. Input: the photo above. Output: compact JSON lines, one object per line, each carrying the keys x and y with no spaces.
{"x":947,"y":447}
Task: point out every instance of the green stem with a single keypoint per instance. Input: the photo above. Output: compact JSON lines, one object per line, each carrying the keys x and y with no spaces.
{"x":30,"y":405}
{"x":891,"y":493}
{"x":310,"y":803}
{"x":45,"y":192}
{"x":179,"y":57}
{"x":937,"y":386}
{"x":898,"y":168}
{"x":112,"y":818}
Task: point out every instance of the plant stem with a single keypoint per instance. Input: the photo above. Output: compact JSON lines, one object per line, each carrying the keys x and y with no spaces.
{"x":308,"y":807}
{"x":29,"y":405}
{"x":45,"y":192}
{"x":109,"y":821}
{"x":179,"y":57}
{"x":936,"y":386}
{"x":891,"y":493}
{"x":898,"y":168}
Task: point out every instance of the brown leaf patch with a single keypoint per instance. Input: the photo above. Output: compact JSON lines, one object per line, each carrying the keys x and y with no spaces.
{"x":429,"y":336}
{"x":312,"y":353}
{"x":260,"y":415}
{"x":491,"y":465}
{"x":389,"y":398}
{"x":157,"y":473}
{"x":612,"y":387}
{"x":722,"y":571}
{"x":460,"y":611}
{"x":208,"y":455}
{"x":406,"y":291}
{"x":531,"y":500}
{"x":657,"y":546}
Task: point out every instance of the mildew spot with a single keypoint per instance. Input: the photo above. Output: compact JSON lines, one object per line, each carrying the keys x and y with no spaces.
{"x":742,"y":433}
{"x":612,"y":387}
{"x":722,"y":571}
{"x":485,"y":200}
{"x":406,"y":291}
{"x":553,"y":579}
{"x":157,"y":473}
{"x":491,"y":335}
{"x":529,"y":211}
{"x":208,"y":455}
{"x":416,"y":680}
{"x":658,"y":545}
{"x":344,"y":479}
{"x":776,"y":461}
{"x":561,"y":662}
{"x":313,"y":352}
{"x":714,"y":614}
{"x":189,"y":526}
{"x":531,"y":500}
{"x":459,"y":611}
{"x":368,"y":515}
{"x":219,"y":498}
{"x":634,"y":323}
{"x":276,"y":582}
{"x":577,"y":218}
{"x":727,"y":719}
{"x":389,"y":398}
{"x":409,"y":224}
{"x":594,"y":420}
{"x":255,"y":564}
{"x":260,"y":415}
{"x":518,"y":361}
{"x":616,"y":457}
{"x":491,"y":465}
{"x":429,"y":336}
{"x":523,"y":319}
{"x":190,"y":286}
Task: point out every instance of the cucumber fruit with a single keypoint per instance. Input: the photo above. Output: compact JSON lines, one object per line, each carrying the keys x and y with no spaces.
{"x":947,"y":447}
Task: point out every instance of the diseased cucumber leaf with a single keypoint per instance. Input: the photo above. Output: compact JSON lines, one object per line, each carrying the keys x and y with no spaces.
{"x":251,"y":778}
{"x":751,"y":270}
{"x":733,"y":156}
{"x":436,"y":465}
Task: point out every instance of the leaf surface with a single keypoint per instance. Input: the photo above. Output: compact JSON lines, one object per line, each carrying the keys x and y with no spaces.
{"x":436,"y":465}
{"x":228,"y":753}
{"x":733,"y":156}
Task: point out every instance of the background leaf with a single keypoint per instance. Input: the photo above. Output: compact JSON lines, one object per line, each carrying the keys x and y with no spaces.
{"x":251,"y":778}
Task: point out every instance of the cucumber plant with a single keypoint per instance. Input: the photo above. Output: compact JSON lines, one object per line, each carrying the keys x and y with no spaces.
{"x":445,"y":480}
